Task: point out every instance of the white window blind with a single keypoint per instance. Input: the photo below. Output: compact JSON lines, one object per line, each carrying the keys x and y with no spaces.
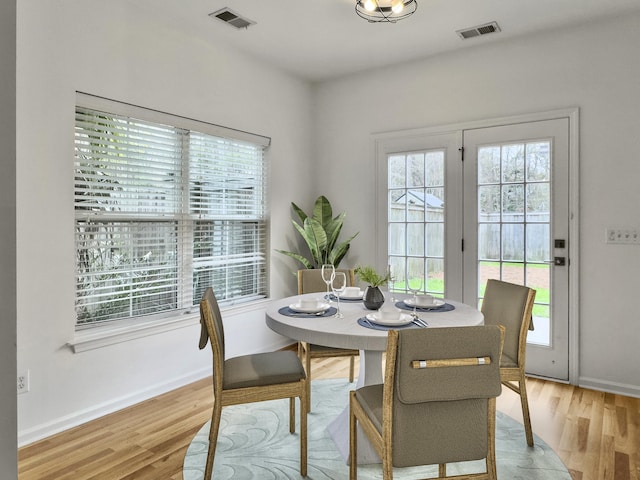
{"x":161,"y":214}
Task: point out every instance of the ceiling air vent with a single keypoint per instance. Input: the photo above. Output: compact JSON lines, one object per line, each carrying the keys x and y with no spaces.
{"x":230,"y":17}
{"x":479,"y":30}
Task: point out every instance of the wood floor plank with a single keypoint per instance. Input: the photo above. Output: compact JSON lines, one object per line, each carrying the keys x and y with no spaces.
{"x":596,"y":434}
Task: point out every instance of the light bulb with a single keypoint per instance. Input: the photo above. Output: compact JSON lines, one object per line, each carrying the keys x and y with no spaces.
{"x":370,"y":5}
{"x":397,"y":6}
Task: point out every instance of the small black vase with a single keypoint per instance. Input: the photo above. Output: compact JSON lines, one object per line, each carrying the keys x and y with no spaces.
{"x":373,"y":298}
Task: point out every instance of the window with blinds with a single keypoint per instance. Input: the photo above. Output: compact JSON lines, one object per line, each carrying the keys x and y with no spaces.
{"x":161,"y":213}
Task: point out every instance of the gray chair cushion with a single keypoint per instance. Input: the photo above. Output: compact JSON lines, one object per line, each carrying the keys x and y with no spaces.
{"x":370,"y":398}
{"x":262,"y":369}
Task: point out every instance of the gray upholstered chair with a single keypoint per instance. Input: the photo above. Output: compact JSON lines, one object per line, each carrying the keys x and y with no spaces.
{"x":310,"y":281}
{"x":437,"y":404}
{"x":511,"y":305}
{"x":250,"y":378}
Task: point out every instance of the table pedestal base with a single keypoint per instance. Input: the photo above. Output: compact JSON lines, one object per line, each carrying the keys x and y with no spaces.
{"x":339,"y":427}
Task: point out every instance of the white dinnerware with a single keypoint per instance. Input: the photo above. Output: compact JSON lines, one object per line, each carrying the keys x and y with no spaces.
{"x":307,"y":307}
{"x":352,"y":293}
{"x":435,"y":303}
{"x":402,"y":319}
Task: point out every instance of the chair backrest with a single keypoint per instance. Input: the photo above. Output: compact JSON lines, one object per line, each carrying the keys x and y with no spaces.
{"x":212,"y":330}
{"x":510,"y":305}
{"x":442,"y":381}
{"x":310,"y":280}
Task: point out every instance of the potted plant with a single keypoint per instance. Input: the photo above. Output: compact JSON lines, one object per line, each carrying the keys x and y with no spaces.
{"x":373,"y":297}
{"x":320,"y":231}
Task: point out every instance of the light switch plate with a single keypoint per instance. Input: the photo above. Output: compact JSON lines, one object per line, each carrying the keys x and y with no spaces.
{"x":623,"y":235}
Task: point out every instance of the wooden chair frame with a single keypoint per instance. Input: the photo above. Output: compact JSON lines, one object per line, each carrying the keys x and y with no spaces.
{"x":224,"y":397}
{"x":307,"y":351}
{"x":509,"y":375}
{"x":382,"y":441}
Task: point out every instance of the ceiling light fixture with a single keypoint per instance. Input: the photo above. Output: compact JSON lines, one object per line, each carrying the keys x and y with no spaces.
{"x":375,"y":11}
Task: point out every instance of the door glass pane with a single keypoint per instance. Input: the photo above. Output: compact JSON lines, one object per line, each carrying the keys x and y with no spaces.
{"x":415,"y":239}
{"x":416,"y":213}
{"x":489,"y":241}
{"x":397,"y":209}
{"x":512,"y":203}
{"x":489,"y":165}
{"x":397,"y":171}
{"x":415,"y":170}
{"x":397,"y":239}
{"x":435,"y":277}
{"x":514,"y":231}
{"x":539,"y":278}
{"x":513,"y":163}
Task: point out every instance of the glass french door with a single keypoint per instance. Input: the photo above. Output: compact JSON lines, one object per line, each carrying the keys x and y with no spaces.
{"x":445,"y":226}
{"x":516,"y":227}
{"x":420,"y":214}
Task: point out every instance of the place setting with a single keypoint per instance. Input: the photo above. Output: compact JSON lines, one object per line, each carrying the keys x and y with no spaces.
{"x":351,"y":294}
{"x":390,"y":317}
{"x":424,"y":303}
{"x":308,"y":308}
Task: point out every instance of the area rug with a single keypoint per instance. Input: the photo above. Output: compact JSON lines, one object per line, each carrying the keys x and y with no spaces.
{"x":254,"y":443}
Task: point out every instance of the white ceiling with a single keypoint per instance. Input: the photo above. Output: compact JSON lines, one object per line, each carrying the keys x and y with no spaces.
{"x":323,"y":39}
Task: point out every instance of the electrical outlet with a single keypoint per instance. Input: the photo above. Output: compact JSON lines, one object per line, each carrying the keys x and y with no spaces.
{"x":23,"y":382}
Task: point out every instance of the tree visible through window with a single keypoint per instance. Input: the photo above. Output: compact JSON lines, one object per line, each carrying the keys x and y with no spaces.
{"x":161,"y":214}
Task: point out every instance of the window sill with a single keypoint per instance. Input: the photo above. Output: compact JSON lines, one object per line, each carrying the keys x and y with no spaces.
{"x":105,"y":335}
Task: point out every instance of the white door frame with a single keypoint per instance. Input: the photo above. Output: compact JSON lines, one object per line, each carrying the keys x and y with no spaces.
{"x":379,"y":145}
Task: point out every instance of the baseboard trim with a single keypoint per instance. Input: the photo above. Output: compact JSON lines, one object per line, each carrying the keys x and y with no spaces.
{"x":610,"y":387}
{"x":44,"y":430}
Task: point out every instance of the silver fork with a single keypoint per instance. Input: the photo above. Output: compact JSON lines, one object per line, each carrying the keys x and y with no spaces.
{"x":419,"y":322}
{"x":314,"y":314}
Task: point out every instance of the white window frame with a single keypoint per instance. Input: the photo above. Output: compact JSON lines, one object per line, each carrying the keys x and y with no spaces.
{"x":94,"y":335}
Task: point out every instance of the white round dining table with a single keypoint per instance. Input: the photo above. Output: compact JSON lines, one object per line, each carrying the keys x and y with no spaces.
{"x":346,"y":332}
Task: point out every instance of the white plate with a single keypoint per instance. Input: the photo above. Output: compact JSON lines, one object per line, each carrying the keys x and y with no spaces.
{"x":321,"y":307}
{"x":404,"y":319}
{"x":352,"y":297}
{"x":436,"y":303}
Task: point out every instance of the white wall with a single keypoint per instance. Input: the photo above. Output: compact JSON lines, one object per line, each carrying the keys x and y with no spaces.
{"x":8,"y":403}
{"x":592,"y":67}
{"x":114,"y":50}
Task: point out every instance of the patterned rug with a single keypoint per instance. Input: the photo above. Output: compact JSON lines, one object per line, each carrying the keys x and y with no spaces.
{"x":254,"y":443}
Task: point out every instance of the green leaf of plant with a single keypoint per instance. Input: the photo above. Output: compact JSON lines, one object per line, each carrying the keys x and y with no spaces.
{"x":322,"y":211}
{"x":317,"y":239}
{"x":333,"y":228}
{"x":299,"y":211}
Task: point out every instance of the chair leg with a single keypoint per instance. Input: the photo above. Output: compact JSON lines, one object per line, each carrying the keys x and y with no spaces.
{"x":304,"y":400}
{"x":292,"y":414}
{"x":526,"y":418}
{"x":353,"y":440}
{"x":351,"y":368}
{"x":307,"y":368}
{"x":387,"y":463}
{"x":213,"y":439}
{"x":442,"y":470}
{"x":490,"y":461}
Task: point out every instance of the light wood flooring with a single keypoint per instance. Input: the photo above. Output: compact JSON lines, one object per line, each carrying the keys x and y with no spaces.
{"x":597,"y":435}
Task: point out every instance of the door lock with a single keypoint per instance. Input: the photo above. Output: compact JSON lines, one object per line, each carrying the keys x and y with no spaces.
{"x":559,"y":261}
